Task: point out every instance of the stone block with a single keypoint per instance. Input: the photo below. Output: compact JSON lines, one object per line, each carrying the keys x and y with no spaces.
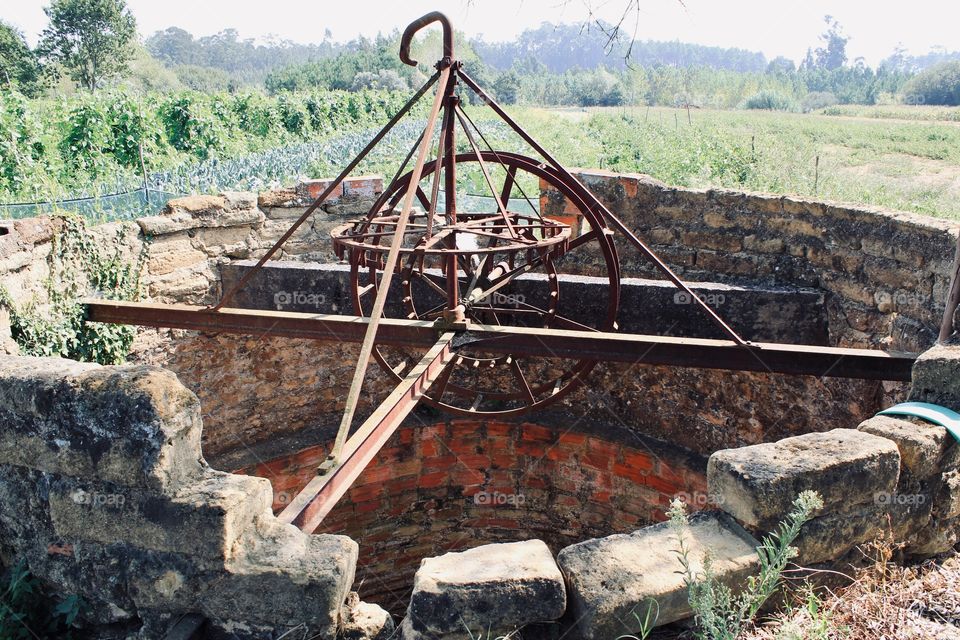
{"x":364,"y":620}
{"x":234,"y":242}
{"x":890,"y":273}
{"x":167,"y":254}
{"x":763,"y":245}
{"x":35,"y":230}
{"x":194,"y":212}
{"x":308,"y":578}
{"x":130,"y":426}
{"x":189,"y":285}
{"x":720,"y":221}
{"x":501,"y":587}
{"x":277,"y":198}
{"x":9,"y":241}
{"x":947,"y":503}
{"x":758,"y":484}
{"x":347,"y":207}
{"x":833,"y":535}
{"x":936,"y":377}
{"x":713,"y":241}
{"x":239,"y":200}
{"x":286,"y":213}
{"x":613,"y":580}
{"x":939,"y":536}
{"x":794,"y":227}
{"x":18,"y":259}
{"x":921,"y":444}
{"x":204,"y":519}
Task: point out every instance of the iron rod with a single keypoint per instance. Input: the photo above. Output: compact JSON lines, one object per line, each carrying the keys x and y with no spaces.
{"x":383,"y":289}
{"x":318,"y":497}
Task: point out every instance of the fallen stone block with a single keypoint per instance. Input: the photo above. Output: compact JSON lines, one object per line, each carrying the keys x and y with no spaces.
{"x":758,"y":484}
{"x":495,"y":588}
{"x":364,"y":621}
{"x":612,"y":581}
{"x":307,"y":577}
{"x":204,"y":519}
{"x":832,"y":536}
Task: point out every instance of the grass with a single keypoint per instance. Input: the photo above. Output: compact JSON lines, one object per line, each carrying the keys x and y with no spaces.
{"x":895,"y":112}
{"x":904,"y":165}
{"x":719,"y":612}
{"x":882,"y":600}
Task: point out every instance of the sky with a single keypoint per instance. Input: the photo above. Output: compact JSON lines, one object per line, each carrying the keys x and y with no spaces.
{"x":774,"y":27}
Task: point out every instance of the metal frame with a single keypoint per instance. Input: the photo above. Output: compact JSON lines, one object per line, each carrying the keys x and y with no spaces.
{"x":451,"y":332}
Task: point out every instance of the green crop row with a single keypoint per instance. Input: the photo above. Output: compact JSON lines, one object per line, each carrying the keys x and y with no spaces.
{"x":54,"y":148}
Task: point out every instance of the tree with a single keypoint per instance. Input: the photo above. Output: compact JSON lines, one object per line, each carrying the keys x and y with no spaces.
{"x":92,"y":39}
{"x":507,"y":87}
{"x":833,"y":54}
{"x":781,"y":65}
{"x":940,"y":84}
{"x":19,"y":67}
{"x":174,"y":46}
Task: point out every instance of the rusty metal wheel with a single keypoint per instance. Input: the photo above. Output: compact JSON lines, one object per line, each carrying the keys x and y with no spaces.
{"x":523,"y":270}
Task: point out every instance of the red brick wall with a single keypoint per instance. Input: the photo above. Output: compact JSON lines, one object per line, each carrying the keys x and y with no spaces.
{"x":456,"y":485}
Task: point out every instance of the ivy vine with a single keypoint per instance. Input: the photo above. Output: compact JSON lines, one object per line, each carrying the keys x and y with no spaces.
{"x":80,"y":265}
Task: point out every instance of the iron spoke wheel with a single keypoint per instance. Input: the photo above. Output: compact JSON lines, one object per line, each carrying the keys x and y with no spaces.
{"x":520,"y":271}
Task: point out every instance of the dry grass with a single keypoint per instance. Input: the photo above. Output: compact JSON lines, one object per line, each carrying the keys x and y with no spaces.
{"x":884,"y":601}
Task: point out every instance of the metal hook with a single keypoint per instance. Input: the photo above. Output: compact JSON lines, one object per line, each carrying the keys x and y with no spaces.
{"x":417,"y":25}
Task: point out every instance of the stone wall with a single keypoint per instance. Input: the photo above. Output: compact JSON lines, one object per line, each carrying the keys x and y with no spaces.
{"x":886,"y":273}
{"x":455,"y":485}
{"x":251,"y":407}
{"x":106,"y":495}
{"x":259,"y":391}
{"x":187,"y":243}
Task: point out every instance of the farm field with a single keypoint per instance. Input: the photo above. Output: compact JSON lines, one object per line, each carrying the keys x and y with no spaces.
{"x":900,"y":157}
{"x":910,"y":163}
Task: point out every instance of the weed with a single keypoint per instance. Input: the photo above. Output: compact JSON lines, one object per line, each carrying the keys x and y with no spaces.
{"x":27,"y":612}
{"x":719,"y":613}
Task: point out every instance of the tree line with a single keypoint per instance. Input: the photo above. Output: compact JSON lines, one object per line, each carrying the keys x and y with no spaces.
{"x":94,"y":43}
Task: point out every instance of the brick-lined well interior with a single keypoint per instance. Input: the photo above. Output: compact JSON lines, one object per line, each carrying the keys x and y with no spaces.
{"x":459,"y":484}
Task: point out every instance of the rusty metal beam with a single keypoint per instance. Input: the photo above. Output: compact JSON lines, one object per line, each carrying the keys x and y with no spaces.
{"x":791,"y":359}
{"x":702,"y":353}
{"x":283,"y":324}
{"x":314,"y":502}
